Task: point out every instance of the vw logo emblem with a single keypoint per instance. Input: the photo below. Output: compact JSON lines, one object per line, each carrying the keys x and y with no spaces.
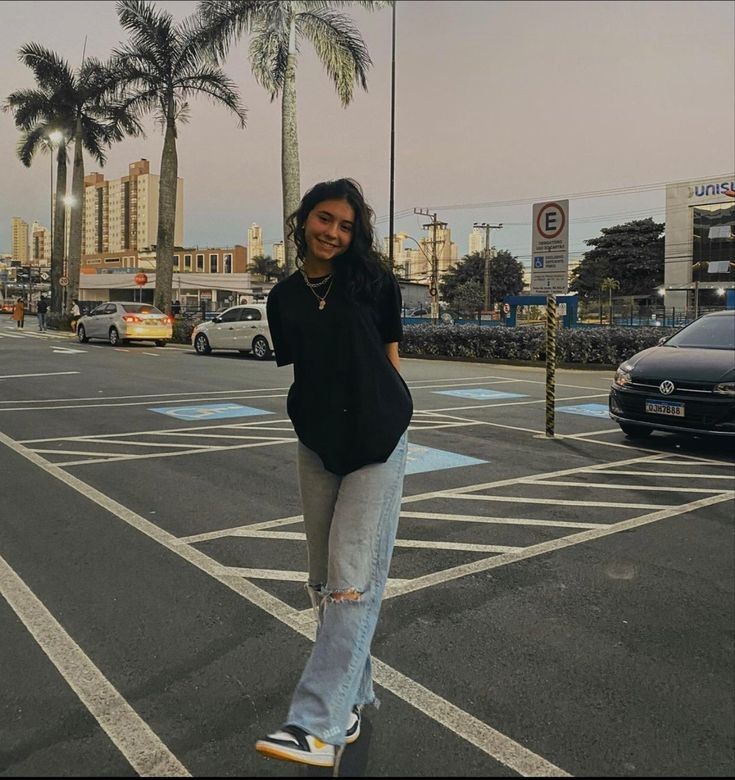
{"x":666,"y":387}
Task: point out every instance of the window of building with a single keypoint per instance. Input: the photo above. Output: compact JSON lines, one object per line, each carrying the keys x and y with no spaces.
{"x":112,"y":259}
{"x":213,"y":264}
{"x":713,"y":242}
{"x":176,"y":262}
{"x":187,"y":262}
{"x":200,"y":262}
{"x":228,"y":264}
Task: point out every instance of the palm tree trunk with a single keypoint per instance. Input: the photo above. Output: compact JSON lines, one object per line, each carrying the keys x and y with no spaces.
{"x":290,"y":149}
{"x":74,"y":260}
{"x":166,"y":217}
{"x":59,"y":229}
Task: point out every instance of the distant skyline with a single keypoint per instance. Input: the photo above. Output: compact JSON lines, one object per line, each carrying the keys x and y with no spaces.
{"x":498,"y":103}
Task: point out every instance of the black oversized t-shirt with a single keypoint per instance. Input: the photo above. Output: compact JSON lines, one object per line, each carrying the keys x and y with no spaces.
{"x":347,"y":402}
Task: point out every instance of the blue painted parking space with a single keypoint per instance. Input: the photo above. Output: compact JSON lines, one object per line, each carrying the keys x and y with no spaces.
{"x":422,"y":459}
{"x":481,"y":394}
{"x":208,"y":411}
{"x":590,"y":410}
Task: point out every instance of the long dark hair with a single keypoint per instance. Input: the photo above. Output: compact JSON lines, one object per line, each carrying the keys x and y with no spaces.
{"x":360,"y":270}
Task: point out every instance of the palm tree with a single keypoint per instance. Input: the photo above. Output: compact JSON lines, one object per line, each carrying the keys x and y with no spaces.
{"x":159,"y":69}
{"x":266,"y":267}
{"x":39,"y":113}
{"x":609,"y":283}
{"x":78,"y":112}
{"x":276,"y":27}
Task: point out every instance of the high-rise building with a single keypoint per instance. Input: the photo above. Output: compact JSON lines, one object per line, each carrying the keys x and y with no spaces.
{"x":279,"y":252}
{"x":477,"y":241}
{"x":19,"y":248}
{"x":446,"y":250}
{"x":121,"y":215}
{"x":40,"y":244}
{"x":255,"y":242}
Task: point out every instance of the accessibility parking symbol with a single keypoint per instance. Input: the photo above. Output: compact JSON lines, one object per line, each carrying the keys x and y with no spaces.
{"x":538,"y":262}
{"x":208,"y":411}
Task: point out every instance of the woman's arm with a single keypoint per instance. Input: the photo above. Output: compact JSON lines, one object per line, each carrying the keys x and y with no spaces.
{"x":391,"y":350}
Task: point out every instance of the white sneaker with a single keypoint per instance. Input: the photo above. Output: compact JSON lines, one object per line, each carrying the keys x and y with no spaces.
{"x":294,"y":744}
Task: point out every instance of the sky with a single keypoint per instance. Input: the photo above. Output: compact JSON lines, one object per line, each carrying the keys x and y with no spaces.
{"x":498,"y":105}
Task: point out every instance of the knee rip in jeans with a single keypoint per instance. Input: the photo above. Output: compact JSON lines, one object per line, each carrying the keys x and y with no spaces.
{"x":349,"y":594}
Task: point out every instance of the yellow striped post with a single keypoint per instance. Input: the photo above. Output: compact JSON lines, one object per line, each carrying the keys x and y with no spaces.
{"x":550,"y":363}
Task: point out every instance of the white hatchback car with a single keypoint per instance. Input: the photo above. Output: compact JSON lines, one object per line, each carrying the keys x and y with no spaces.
{"x":243,"y":328}
{"x":125,"y":321}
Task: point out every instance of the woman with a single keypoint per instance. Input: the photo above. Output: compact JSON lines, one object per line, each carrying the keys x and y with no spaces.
{"x":337,"y":319}
{"x":19,"y":313}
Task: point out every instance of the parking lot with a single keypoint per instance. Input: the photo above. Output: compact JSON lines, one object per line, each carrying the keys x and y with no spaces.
{"x":555,"y":607}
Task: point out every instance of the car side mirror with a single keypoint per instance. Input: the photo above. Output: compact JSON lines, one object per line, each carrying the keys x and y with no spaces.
{"x":216,"y":319}
{"x":663,"y":340}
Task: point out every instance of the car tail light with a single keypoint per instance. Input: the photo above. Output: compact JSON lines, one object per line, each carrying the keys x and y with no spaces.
{"x":131,"y":318}
{"x":168,"y":320}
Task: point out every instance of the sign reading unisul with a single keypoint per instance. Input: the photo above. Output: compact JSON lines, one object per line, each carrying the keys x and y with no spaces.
{"x":705,"y":190}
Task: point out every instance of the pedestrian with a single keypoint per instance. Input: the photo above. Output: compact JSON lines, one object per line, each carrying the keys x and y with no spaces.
{"x":337,"y":319}
{"x":41,"y":309}
{"x":176,"y":308}
{"x":19,"y":313}
{"x":75,"y":315}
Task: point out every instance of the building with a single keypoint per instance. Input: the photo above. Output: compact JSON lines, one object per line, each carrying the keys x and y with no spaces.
{"x":477,"y":241}
{"x":20,"y":245}
{"x":279,"y":253}
{"x":121,"y":215}
{"x":255,"y":241}
{"x":40,"y":245}
{"x":700,"y":239}
{"x":446,"y":251}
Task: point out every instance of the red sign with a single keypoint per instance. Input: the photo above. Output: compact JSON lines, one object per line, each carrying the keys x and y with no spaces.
{"x":141,"y":279}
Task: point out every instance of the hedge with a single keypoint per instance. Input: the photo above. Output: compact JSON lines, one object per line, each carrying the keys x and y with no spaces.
{"x":582,"y":346}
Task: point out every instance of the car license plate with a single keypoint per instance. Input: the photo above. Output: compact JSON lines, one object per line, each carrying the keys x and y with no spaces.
{"x":670,"y":408}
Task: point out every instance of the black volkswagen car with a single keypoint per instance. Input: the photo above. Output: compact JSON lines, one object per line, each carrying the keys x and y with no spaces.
{"x":686,"y":384}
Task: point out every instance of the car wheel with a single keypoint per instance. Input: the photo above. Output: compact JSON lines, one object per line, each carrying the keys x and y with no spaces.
{"x":114,"y":337}
{"x":82,"y":334}
{"x":201,"y":344}
{"x":635,"y":431}
{"x":261,"y":350}
{"x":161,"y":343}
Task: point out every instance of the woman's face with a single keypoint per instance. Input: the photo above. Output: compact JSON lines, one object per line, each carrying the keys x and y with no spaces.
{"x":328,"y":230}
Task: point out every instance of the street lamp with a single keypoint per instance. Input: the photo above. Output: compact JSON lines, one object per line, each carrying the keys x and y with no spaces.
{"x":488,"y":252}
{"x":53,"y":139}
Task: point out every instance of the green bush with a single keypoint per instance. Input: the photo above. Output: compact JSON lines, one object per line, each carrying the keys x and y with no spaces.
{"x":183,"y":326}
{"x":597,"y":346}
{"x":56,"y":321}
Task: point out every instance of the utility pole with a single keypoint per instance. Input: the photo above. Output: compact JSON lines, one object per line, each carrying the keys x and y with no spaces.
{"x":488,"y":254}
{"x":434,"y":283}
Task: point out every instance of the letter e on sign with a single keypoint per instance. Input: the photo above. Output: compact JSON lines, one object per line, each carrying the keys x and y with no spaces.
{"x":550,"y":221}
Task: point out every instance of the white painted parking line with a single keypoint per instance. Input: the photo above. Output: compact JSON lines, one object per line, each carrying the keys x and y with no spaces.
{"x":630,"y":488}
{"x":239,"y":393}
{"x":659,"y":474}
{"x":567,"y":501}
{"x":501,"y":520}
{"x":49,"y":373}
{"x":132,"y":736}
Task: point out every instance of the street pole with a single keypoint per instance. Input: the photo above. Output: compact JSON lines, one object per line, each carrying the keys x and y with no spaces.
{"x":488,"y":256}
{"x":434,"y":283}
{"x":391,"y":259}
{"x":550,"y":364}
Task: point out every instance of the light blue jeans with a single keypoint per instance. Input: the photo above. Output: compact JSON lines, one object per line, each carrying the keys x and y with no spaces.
{"x":351,"y":524}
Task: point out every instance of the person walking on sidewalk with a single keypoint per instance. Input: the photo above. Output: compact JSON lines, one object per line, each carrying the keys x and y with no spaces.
{"x":19,"y":313}
{"x":76,"y":313}
{"x":41,"y":310}
{"x":337,"y":318}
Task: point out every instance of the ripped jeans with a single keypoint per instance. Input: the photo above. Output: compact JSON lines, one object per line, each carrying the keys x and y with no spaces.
{"x":351,"y":524}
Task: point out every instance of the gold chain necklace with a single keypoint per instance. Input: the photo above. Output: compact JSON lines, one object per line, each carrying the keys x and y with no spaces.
{"x":321,"y":298}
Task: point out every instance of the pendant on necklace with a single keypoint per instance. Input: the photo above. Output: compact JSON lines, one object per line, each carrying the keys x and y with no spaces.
{"x":322,"y":304}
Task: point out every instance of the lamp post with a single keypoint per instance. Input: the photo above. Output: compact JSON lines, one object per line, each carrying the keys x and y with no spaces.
{"x":488,"y":254}
{"x":53,"y":139}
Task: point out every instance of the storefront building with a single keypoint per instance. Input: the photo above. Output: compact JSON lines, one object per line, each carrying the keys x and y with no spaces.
{"x":700,"y":242}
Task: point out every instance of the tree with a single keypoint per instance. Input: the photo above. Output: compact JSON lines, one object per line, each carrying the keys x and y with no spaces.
{"x":506,"y":275}
{"x":159,"y":69}
{"x":468,"y":298}
{"x":632,"y":253}
{"x":38,"y":113}
{"x":267,"y":268}
{"x":276,"y":27}
{"x":609,"y":283}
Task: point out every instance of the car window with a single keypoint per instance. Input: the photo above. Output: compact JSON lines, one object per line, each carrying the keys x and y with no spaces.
{"x":98,"y":310}
{"x":708,"y":332}
{"x":250,"y":314}
{"x":232,"y":315}
{"x":141,"y":308}
{"x":110,"y":308}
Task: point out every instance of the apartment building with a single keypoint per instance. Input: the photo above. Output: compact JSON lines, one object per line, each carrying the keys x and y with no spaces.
{"x":121,"y":215}
{"x":279,"y":252}
{"x":40,"y":248}
{"x":255,"y":241}
{"x":478,"y":241}
{"x":20,"y":245}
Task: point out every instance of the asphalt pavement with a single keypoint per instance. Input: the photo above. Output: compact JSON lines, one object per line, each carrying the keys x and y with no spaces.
{"x":555,"y":607}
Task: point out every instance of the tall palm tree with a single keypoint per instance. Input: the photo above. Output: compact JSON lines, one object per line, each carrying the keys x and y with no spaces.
{"x":159,"y":69}
{"x":610,"y":283}
{"x":276,"y":27}
{"x":38,"y":113}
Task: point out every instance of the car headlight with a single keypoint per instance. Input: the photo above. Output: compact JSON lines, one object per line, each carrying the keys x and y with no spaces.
{"x":623,"y":376}
{"x":725,"y":388}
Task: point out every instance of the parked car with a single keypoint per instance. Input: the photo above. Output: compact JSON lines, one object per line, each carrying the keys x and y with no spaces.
{"x":686,"y":384}
{"x":125,"y":321}
{"x":242,"y":328}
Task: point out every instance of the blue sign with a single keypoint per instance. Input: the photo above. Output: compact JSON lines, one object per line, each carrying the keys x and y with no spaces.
{"x":590,"y":410}
{"x":538,"y":262}
{"x":208,"y":411}
{"x":422,"y":459}
{"x":480,"y":394}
